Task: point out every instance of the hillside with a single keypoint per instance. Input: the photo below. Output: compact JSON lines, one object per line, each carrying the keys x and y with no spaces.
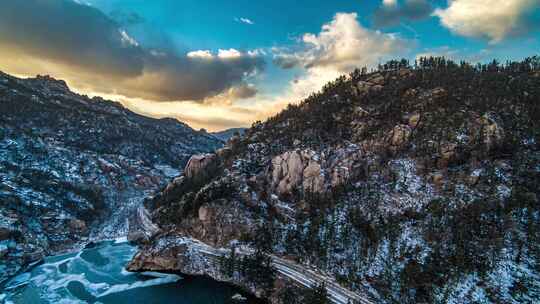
{"x":71,"y":167}
{"x":409,"y":184}
{"x":225,"y":135}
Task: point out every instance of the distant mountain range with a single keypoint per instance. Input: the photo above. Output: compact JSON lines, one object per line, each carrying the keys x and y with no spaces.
{"x":71,"y":167}
{"x":225,"y":135}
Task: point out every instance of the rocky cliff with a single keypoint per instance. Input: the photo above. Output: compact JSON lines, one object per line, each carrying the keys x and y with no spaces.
{"x":411,"y":183}
{"x":72,"y":167}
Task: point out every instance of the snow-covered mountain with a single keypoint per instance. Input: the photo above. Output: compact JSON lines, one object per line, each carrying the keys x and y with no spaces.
{"x":411,"y":184}
{"x":72,"y":167}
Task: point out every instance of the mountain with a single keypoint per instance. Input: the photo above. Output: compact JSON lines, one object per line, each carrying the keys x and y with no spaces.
{"x":225,"y":135}
{"x":409,"y":184}
{"x":71,"y":167}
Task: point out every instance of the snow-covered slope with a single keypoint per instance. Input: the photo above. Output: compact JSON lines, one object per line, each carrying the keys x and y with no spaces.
{"x":413,"y":184}
{"x":72,"y":167}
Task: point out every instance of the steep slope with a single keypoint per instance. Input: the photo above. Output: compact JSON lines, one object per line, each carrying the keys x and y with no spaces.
{"x":71,"y":167}
{"x":411,"y":183}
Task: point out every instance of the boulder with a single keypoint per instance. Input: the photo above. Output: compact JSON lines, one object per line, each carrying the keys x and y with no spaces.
{"x":410,"y":93}
{"x":363,"y":85}
{"x":287,"y":170}
{"x":413,"y":120}
{"x":400,"y":135}
{"x":437,"y":178}
{"x":340,"y":175}
{"x":492,"y":132}
{"x":140,"y":226}
{"x":374,"y":83}
{"x":224,"y":152}
{"x":447,"y":153}
{"x":200,"y":166}
{"x":206,"y":214}
{"x":404,"y":73}
{"x":360,"y":112}
{"x":376,"y":79}
{"x":313,"y":178}
{"x":177,"y":182}
{"x":438,"y":93}
{"x":77,"y":225}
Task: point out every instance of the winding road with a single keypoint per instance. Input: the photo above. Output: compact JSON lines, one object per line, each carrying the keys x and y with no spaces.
{"x":295,"y":272}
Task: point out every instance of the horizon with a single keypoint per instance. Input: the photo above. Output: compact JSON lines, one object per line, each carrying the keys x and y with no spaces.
{"x":218,"y":66}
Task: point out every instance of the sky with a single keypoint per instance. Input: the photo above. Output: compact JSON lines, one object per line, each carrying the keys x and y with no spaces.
{"x":223,"y":64}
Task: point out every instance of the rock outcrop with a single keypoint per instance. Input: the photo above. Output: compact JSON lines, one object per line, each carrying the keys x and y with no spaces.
{"x":201,"y":166}
{"x":141,"y":229}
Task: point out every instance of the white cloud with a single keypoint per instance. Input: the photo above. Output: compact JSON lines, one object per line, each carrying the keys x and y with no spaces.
{"x":390,"y":3}
{"x":491,"y":19}
{"x":230,"y":53}
{"x":244,"y":20}
{"x":226,"y":54}
{"x":127,"y":40}
{"x":342,"y":45}
{"x":256,"y":52}
{"x":205,"y":54}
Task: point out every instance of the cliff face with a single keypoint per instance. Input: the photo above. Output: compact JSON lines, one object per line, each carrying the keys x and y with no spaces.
{"x":417,"y":184}
{"x":71,"y":167}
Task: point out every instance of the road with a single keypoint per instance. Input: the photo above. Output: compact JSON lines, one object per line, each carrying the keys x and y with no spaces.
{"x":295,"y":272}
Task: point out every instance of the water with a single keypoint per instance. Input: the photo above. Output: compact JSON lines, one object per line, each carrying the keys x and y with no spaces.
{"x":97,"y":275}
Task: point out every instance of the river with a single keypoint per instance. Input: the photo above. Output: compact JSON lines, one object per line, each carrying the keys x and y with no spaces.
{"x":97,"y":275}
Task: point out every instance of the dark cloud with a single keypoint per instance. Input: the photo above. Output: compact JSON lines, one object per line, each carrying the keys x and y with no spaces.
{"x":389,"y":15}
{"x":243,"y":91}
{"x":75,"y":34}
{"x":170,"y":77}
{"x":80,"y":37}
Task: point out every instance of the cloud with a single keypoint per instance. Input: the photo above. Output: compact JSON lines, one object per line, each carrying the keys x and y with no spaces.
{"x":243,"y":91}
{"x":230,"y":53}
{"x":494,"y":20}
{"x":392,"y":13}
{"x":389,"y":3}
{"x":342,"y":45}
{"x":244,"y":20}
{"x":170,"y":77}
{"x":203,"y":54}
{"x":80,"y":43}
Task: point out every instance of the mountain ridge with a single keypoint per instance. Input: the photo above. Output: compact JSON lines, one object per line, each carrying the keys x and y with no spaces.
{"x":72,"y":167}
{"x":412,"y":183}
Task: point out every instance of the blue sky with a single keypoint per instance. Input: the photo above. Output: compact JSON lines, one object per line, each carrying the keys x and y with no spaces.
{"x":202,"y":24}
{"x":163,"y":58}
